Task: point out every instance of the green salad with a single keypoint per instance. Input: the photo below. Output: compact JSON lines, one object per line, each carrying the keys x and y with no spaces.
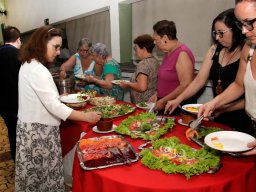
{"x":145,"y":126}
{"x":203,"y":131}
{"x":142,"y":104}
{"x":170,"y":156}
{"x":115,"y":110}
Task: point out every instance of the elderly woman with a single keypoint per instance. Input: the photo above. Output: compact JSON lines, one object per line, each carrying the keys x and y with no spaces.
{"x":177,"y":69}
{"x":38,"y":155}
{"x":143,"y":81}
{"x":245,"y":11}
{"x":220,"y":66}
{"x":83,"y":65}
{"x":111,"y":71}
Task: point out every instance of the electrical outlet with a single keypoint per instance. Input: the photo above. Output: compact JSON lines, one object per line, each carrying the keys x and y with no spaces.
{"x":46,"y":21}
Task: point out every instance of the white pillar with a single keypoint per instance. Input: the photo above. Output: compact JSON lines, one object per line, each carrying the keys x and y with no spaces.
{"x":114,"y":29}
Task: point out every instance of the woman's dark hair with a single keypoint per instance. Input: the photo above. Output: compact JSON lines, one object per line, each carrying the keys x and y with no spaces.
{"x":145,"y":41}
{"x":11,"y":34}
{"x":165,"y":27}
{"x":228,"y":18}
{"x":36,"y":47}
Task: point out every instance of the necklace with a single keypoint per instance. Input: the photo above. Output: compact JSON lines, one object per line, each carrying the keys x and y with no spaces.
{"x":219,"y":88}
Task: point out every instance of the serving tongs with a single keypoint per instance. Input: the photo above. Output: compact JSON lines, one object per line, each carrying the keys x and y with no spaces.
{"x":144,"y":145}
{"x":116,"y":152}
{"x":195,"y":124}
{"x":151,"y":107}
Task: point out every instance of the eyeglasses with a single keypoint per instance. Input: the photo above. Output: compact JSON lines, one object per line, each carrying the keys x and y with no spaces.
{"x":248,"y":24}
{"x":83,"y":50}
{"x":220,"y":33}
{"x":56,"y":47}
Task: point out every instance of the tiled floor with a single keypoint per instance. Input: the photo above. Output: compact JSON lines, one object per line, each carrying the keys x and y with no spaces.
{"x":6,"y":163}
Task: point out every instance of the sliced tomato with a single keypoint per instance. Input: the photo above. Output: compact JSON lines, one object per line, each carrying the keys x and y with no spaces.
{"x":191,"y":161}
{"x":190,"y":133}
{"x":133,"y":125}
{"x":176,"y":161}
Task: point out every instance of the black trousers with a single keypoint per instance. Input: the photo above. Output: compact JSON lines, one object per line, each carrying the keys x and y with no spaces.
{"x":10,"y":119}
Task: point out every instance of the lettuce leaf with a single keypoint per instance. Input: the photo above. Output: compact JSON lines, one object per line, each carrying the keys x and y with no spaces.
{"x":206,"y":159}
{"x":123,"y":128}
{"x":203,"y":131}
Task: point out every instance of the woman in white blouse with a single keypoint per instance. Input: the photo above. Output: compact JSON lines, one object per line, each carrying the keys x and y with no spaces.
{"x":39,"y":158}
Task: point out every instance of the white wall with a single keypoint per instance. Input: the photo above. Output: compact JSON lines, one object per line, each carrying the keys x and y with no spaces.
{"x":27,"y":15}
{"x":30,"y":14}
{"x":193,"y":17}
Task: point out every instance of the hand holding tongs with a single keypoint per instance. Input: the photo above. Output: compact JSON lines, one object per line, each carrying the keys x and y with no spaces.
{"x":194,"y":124}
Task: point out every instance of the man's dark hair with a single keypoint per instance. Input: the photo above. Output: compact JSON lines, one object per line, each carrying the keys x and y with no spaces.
{"x":11,"y":34}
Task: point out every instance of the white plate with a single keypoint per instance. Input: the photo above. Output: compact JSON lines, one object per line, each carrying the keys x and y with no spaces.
{"x":95,"y":129}
{"x":232,"y":141}
{"x":184,"y":107}
{"x":180,"y":122}
{"x":147,"y":107}
{"x":82,"y":77}
{"x":117,"y":82}
{"x":72,"y":98}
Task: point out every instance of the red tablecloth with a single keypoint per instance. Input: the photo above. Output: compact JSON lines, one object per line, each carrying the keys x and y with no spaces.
{"x":236,"y":175}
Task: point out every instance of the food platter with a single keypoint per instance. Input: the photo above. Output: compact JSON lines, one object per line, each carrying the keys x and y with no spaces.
{"x":191,"y":108}
{"x":143,"y":105}
{"x":145,"y":125}
{"x":91,"y":93}
{"x":118,"y":82}
{"x":229,"y":141}
{"x":170,"y":156}
{"x":106,"y":151}
{"x":74,"y":98}
{"x":95,"y":129}
{"x":104,"y":100}
{"x":115,"y":110}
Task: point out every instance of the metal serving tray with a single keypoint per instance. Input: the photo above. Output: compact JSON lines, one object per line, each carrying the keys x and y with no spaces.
{"x":118,"y":156}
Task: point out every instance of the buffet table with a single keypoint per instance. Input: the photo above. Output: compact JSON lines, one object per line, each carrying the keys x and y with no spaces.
{"x":236,"y":175}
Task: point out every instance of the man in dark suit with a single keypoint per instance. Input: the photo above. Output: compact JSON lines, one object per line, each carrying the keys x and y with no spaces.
{"x":10,"y":66}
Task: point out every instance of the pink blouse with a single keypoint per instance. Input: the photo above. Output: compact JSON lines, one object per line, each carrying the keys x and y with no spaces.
{"x":167,"y":75}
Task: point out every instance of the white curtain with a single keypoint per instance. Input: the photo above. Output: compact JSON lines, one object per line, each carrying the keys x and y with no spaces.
{"x":96,"y":27}
{"x":193,"y":19}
